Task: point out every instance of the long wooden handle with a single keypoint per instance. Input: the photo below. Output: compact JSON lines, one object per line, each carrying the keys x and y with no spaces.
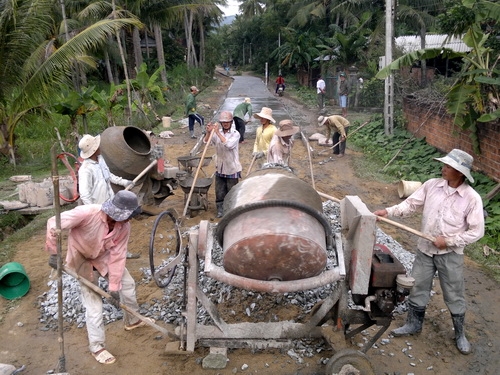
{"x":251,"y":165}
{"x":388,"y":221}
{"x":104,"y":294}
{"x":139,"y":176}
{"x":197,"y":172}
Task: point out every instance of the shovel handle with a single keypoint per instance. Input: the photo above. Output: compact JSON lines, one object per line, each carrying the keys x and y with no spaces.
{"x":104,"y":294}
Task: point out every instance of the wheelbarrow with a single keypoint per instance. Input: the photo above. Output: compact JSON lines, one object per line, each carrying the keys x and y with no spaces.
{"x":189,"y":162}
{"x":198,"y":199}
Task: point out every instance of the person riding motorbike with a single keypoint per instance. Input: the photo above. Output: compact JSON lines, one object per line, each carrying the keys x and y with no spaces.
{"x":280,"y":82}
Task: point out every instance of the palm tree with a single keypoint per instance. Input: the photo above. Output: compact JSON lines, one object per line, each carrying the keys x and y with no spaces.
{"x":36,"y":61}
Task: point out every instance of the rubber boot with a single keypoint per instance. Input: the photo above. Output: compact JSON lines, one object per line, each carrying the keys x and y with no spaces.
{"x":191,"y":132}
{"x":462,"y":343}
{"x":220,"y":210}
{"x":414,"y":321}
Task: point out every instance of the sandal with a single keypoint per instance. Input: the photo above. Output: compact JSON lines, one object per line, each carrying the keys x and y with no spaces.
{"x":140,"y":323}
{"x":104,"y":357}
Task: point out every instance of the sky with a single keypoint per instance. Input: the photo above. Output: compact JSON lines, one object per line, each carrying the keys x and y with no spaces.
{"x":231,"y":9}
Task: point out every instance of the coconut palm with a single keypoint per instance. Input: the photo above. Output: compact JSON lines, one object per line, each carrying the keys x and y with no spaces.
{"x":37,"y":60}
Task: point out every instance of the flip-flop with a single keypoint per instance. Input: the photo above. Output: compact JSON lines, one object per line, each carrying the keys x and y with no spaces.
{"x":104,"y":357}
{"x":140,"y":323}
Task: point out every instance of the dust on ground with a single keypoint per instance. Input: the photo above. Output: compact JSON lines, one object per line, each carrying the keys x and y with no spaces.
{"x":142,"y":351}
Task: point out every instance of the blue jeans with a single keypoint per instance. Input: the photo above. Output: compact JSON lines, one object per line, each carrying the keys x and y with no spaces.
{"x":195,"y":117}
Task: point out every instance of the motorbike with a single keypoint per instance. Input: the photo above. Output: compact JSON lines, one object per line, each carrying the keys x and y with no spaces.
{"x":281,"y":89}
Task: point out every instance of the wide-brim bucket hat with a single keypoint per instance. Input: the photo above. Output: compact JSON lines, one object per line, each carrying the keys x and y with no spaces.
{"x":88,"y":145}
{"x":123,"y":206}
{"x":322,"y":120}
{"x":459,"y":160}
{"x":286,"y":128}
{"x":266,"y":113}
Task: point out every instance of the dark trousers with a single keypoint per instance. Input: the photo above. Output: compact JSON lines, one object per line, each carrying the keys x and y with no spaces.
{"x":195,"y":117}
{"x":222,"y":187}
{"x":340,"y":148}
{"x":240,"y":127}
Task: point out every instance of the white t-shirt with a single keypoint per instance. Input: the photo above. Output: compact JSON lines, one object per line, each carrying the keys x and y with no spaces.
{"x":320,"y":86}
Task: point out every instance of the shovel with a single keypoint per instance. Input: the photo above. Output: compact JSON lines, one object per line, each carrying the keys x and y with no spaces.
{"x":104,"y":294}
{"x":347,"y":136}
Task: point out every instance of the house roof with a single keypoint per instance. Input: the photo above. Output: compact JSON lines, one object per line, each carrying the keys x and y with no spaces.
{"x":410,"y":43}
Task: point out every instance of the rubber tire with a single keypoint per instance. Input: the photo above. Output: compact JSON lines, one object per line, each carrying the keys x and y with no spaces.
{"x":349,"y":357}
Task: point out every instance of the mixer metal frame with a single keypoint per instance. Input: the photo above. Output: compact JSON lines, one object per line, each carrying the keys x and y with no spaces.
{"x":352,"y":274}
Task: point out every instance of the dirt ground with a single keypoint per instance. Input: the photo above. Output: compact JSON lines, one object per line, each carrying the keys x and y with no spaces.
{"x":142,"y":351}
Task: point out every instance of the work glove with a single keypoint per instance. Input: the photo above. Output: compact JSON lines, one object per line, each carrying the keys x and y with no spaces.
{"x":258,"y":155}
{"x":53,"y":261}
{"x":114,"y":299}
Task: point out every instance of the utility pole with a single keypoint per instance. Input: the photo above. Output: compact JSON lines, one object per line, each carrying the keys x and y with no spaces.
{"x":389,"y":81}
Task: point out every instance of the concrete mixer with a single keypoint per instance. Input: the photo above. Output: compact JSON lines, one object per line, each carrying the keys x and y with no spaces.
{"x":274,"y":238}
{"x":128,"y":151}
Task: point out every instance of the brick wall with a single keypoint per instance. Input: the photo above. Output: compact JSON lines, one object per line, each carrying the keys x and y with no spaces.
{"x":438,"y":129}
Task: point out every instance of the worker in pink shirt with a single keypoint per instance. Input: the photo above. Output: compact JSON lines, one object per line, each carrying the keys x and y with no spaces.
{"x":97,"y":246}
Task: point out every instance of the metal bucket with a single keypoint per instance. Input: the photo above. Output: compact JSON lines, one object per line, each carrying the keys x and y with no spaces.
{"x":126,"y":150}
{"x":273,"y":228}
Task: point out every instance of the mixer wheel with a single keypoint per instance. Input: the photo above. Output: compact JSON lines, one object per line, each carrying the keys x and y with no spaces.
{"x":349,"y":362}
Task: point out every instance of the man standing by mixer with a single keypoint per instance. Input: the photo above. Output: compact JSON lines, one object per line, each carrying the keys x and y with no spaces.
{"x":452,"y":213}
{"x":228,"y":168}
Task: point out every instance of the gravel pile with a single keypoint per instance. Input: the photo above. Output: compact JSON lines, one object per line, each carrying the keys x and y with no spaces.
{"x":168,"y":309}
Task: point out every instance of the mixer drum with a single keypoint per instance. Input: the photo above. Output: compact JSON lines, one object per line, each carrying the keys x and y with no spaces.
{"x":126,"y":150}
{"x":279,"y":240}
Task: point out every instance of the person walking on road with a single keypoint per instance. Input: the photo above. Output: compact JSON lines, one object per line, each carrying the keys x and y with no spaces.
{"x":97,"y":247}
{"x":239,"y":113}
{"x":191,"y":111}
{"x":339,"y":125}
{"x":343,"y":93}
{"x":320,"y":92}
{"x":94,"y":176}
{"x":281,"y":144}
{"x":228,"y":168}
{"x":264,"y":132}
{"x":452,"y":213}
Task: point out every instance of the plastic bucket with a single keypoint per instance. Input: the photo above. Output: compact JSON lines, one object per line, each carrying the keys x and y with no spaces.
{"x":166,"y":122}
{"x":14,"y":282}
{"x":407,"y":188}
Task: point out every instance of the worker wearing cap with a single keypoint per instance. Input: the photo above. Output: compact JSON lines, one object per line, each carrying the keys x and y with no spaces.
{"x":191,"y":112}
{"x":239,"y":113}
{"x":339,"y":125}
{"x":228,"y":168}
{"x":452,"y":213}
{"x":282,"y":143}
{"x":97,"y":247}
{"x":343,"y":93}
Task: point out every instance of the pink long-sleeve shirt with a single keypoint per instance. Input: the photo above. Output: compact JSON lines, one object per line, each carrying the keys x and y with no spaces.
{"x":457,"y":216}
{"x":90,"y":244}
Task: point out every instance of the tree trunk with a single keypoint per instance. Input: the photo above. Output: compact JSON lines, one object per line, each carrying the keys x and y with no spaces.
{"x":136,"y":41}
{"x":109,"y":71}
{"x":160,"y":53}
{"x":423,"y":63}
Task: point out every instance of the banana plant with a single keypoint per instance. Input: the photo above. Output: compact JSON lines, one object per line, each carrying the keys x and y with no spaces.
{"x":475,"y":95}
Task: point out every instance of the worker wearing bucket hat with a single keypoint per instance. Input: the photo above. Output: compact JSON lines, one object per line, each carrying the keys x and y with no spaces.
{"x":97,"y":247}
{"x":453,"y":216}
{"x":281,"y":143}
{"x":228,"y":168}
{"x":264,"y":132}
{"x":94,"y":176}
